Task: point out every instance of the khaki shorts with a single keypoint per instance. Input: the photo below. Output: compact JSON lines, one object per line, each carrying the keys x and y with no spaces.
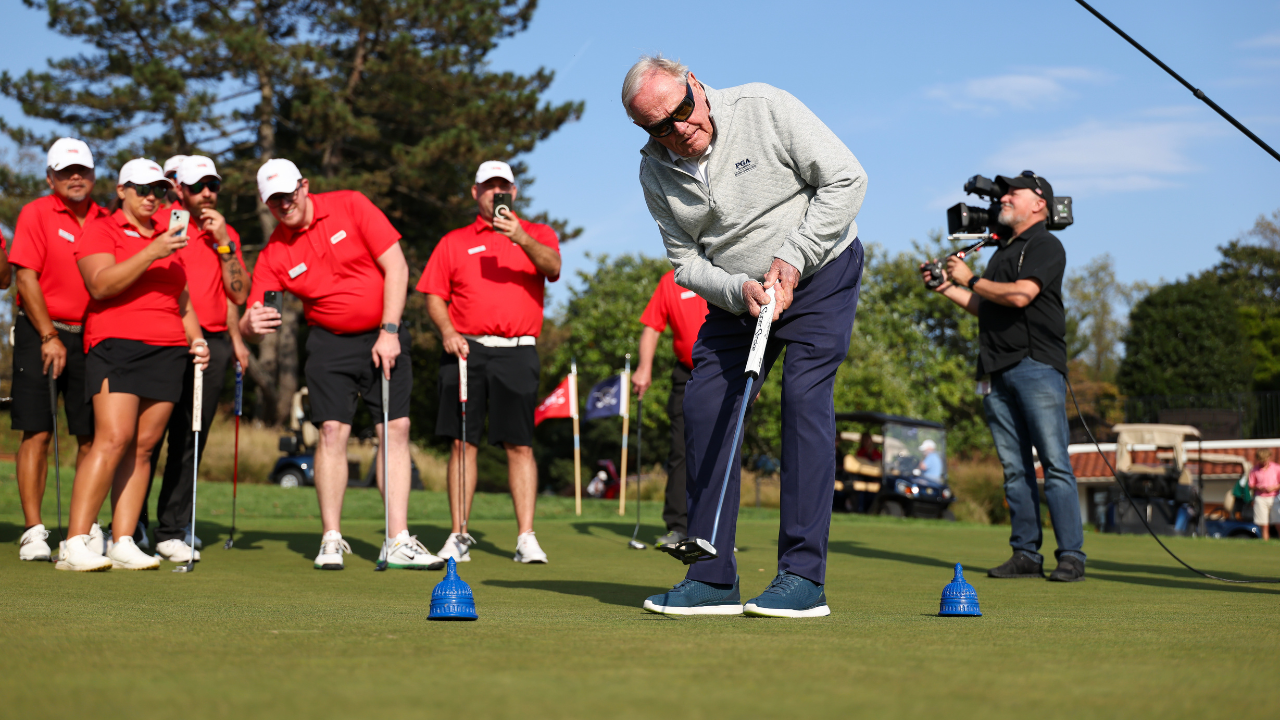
{"x":1262,"y":509}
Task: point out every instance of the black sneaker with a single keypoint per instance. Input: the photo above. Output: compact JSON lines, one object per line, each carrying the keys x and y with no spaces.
{"x":1018,"y":566}
{"x":1070,"y":569}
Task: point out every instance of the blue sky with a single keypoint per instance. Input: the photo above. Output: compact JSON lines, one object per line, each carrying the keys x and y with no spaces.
{"x":926,"y":94}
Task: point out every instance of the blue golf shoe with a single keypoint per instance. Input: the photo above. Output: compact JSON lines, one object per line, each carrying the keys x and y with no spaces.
{"x":692,"y":597}
{"x":789,"y":596}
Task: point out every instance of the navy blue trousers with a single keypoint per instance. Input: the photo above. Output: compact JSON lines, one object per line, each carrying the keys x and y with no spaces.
{"x":815,"y":331}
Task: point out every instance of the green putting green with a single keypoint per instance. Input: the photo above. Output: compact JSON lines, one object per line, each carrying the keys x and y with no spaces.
{"x":256,"y":632}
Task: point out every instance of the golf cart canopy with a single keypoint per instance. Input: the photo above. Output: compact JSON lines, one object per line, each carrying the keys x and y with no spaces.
{"x":882,"y":418}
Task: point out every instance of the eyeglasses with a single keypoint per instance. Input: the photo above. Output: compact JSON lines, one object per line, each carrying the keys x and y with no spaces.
{"x":159,"y":190}
{"x":215,"y":187}
{"x":663,"y":128}
{"x":279,"y":200}
{"x":1033,"y":176}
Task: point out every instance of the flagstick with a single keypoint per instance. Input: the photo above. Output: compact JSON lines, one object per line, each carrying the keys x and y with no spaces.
{"x":626,"y":430}
{"x":577,"y":446}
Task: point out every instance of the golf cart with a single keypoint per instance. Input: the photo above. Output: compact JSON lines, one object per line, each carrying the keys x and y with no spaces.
{"x":901,"y":471}
{"x":1151,"y":464}
{"x":298,"y":465}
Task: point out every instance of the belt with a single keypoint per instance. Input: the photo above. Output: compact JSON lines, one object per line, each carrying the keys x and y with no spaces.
{"x":495,"y":341}
{"x":76,"y":329}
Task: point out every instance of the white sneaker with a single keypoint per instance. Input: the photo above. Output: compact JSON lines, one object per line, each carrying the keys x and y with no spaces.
{"x":97,"y":541}
{"x":175,"y":551}
{"x":409,"y":554}
{"x":458,"y":547}
{"x":125,"y":555}
{"x":78,"y":557}
{"x":528,"y":550}
{"x":32,"y":545}
{"x":331,"y":548}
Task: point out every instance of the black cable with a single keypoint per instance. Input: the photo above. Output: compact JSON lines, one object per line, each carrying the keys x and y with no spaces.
{"x":1194,"y":90}
{"x":1140,"y":514}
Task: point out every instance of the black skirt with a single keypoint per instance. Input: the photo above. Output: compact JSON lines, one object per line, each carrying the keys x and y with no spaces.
{"x":153,"y":372}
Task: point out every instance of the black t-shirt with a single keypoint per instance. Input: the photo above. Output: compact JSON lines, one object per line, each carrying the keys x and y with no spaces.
{"x":1007,"y":334}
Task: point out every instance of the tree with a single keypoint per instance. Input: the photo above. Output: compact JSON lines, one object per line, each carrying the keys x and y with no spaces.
{"x":1250,"y":273}
{"x":1185,"y":339}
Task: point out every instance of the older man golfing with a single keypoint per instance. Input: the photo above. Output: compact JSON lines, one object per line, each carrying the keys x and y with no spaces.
{"x":752,"y":192}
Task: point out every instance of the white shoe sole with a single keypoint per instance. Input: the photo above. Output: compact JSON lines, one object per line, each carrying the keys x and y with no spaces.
{"x":116,"y":565}
{"x":415,"y":566}
{"x":708,"y":610}
{"x":327,"y":566}
{"x":530,"y":561}
{"x":464,"y":558}
{"x":64,"y":565}
{"x":34,"y":558}
{"x":755,"y":611}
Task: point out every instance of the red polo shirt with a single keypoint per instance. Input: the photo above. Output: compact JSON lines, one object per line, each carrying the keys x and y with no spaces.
{"x":44,"y":240}
{"x":684,"y":309}
{"x":491,"y":285}
{"x":147,"y":310}
{"x":204,"y":273}
{"x":332,"y":264}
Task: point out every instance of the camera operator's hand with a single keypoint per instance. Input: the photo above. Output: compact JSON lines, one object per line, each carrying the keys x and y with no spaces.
{"x":959,"y":273}
{"x":784,"y":277}
{"x":926,"y":275}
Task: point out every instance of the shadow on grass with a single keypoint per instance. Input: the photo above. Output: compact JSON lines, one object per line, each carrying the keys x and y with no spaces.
{"x":859,"y":550}
{"x":622,"y":529}
{"x":606,"y":592}
{"x":1178,"y":578}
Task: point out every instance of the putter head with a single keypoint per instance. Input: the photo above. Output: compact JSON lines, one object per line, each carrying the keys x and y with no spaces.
{"x":691,"y":550}
{"x":227,"y":545}
{"x":466,"y":539}
{"x":186,"y":567}
{"x":635,"y":545}
{"x":382,"y":558}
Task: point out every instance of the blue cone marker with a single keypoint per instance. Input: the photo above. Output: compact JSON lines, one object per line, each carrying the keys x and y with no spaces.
{"x":452,"y":599}
{"x":959,"y":599}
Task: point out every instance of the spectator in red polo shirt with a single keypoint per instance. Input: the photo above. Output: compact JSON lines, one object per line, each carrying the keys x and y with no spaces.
{"x":216,"y":279}
{"x":340,"y":255}
{"x":484,"y":286}
{"x":48,"y":328}
{"x":684,"y":310}
{"x":139,"y":331}
{"x":6,"y":270}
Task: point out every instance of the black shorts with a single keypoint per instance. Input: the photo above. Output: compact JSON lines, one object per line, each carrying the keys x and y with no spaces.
{"x":502,"y":383}
{"x":30,"y":411}
{"x":340,"y":369}
{"x":153,"y":372}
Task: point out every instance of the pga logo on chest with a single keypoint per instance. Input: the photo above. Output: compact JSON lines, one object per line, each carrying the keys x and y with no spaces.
{"x":743,"y":166}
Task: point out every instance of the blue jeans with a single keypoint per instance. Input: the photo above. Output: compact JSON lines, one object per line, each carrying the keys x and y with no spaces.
{"x":1028,"y":407}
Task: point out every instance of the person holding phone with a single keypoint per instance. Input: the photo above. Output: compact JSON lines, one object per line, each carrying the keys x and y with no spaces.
{"x":484,"y":286}
{"x":140,"y":330}
{"x":216,"y":279}
{"x":340,"y":255}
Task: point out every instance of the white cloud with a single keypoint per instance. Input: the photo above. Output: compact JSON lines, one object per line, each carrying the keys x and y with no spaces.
{"x":1262,"y":41}
{"x":1022,"y":91}
{"x":1108,"y":157}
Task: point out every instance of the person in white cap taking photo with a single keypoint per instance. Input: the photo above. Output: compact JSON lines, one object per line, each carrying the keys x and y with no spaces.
{"x":140,"y":331}
{"x":48,"y":329}
{"x":484,"y":286}
{"x":338,"y":253}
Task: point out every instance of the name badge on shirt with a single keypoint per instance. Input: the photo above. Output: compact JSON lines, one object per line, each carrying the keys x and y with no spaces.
{"x":132,"y":233}
{"x":337,"y":236}
{"x":66,"y":235}
{"x":687,"y":294}
{"x":297,"y":270}
{"x":476,"y":249}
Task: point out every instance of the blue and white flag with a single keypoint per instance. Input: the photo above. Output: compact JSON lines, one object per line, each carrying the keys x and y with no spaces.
{"x":607,"y":399}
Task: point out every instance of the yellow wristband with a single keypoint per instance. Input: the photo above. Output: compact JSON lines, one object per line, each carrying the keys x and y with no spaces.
{"x":224,"y":249}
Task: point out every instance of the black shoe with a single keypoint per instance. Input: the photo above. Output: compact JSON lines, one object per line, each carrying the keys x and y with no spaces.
{"x":1070,"y":569}
{"x":1018,"y":566}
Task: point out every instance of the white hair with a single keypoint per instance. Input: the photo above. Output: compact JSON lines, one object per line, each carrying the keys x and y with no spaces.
{"x":648,"y":65}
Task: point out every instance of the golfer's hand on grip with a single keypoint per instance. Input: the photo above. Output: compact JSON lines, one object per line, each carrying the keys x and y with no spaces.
{"x":199,"y":351}
{"x":54,"y":356}
{"x":784,"y":277}
{"x":455,"y":344}
{"x":263,"y":320}
{"x":385,"y":351}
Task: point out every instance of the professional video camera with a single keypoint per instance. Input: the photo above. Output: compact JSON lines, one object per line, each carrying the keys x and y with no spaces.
{"x":967,"y":222}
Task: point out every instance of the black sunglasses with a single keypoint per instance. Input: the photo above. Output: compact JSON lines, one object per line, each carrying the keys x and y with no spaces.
{"x":663,"y":128}
{"x":148,"y":190}
{"x":215,"y":186}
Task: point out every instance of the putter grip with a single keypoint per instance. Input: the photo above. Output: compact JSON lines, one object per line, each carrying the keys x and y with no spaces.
{"x":239,"y":389}
{"x":197,"y":399}
{"x":386,"y":392}
{"x":462,"y":379}
{"x":755,"y":359}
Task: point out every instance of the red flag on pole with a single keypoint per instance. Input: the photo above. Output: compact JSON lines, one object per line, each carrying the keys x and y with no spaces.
{"x":557,"y":404}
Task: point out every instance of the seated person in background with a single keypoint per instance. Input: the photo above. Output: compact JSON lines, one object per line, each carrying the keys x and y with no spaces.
{"x":867,"y":450}
{"x":931,"y":465}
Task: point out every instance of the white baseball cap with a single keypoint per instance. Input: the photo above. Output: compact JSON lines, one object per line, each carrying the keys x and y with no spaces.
{"x":141,"y":171}
{"x":492,"y":169}
{"x":66,"y":152}
{"x":277,"y":176}
{"x":172,"y":163}
{"x":195,"y":168}
{"x":928,"y":446}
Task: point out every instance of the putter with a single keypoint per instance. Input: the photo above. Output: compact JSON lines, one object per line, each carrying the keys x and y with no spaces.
{"x":386,"y":474}
{"x":57,"y":464}
{"x":696,"y":549}
{"x":235,"y":463}
{"x":197,"y":409}
{"x":465,"y":538}
{"x":636,"y":544}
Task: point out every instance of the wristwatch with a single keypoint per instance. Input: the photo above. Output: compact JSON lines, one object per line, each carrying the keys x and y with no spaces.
{"x":392,"y":328}
{"x":974,"y":281}
{"x":228,"y":248}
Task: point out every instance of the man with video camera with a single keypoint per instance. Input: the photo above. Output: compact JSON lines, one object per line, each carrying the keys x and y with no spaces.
{"x":1023,"y":349}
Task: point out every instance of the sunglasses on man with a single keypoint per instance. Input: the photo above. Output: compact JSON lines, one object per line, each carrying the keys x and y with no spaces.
{"x":663,"y":128}
{"x":215,"y":187}
{"x":158,"y":189}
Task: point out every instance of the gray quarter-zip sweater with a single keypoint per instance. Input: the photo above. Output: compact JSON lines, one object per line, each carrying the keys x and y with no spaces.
{"x":780,"y":185}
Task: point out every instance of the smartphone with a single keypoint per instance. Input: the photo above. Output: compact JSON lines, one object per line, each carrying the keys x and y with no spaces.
{"x":273,"y":299}
{"x":501,"y":204}
{"x":180,"y":219}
